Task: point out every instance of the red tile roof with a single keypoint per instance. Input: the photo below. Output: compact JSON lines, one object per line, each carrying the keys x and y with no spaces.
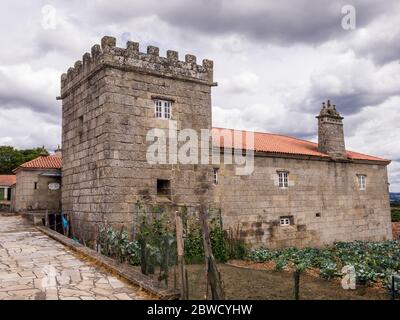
{"x":7,"y":180}
{"x":281,"y":144}
{"x":43,"y":162}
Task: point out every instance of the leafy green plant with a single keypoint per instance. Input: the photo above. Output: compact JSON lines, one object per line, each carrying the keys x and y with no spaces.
{"x":372,"y":261}
{"x":115,"y":243}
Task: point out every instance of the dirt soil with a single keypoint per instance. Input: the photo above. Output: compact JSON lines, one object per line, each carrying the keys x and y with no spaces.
{"x":250,"y":283}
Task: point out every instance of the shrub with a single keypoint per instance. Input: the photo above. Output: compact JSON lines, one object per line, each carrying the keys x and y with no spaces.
{"x":395,"y":215}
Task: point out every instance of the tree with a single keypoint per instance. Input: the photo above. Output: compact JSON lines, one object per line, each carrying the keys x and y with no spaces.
{"x":11,"y":158}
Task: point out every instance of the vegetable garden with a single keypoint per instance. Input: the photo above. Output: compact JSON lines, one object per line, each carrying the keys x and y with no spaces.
{"x":373,"y":262}
{"x":152,"y":247}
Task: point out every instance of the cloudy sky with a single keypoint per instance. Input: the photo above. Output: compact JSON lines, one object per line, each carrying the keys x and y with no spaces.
{"x":275,"y":62}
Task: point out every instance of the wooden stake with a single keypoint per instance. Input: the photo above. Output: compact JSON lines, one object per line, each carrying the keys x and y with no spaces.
{"x":296,"y":278}
{"x":46,"y":219}
{"x":213,"y":275}
{"x":180,"y":253}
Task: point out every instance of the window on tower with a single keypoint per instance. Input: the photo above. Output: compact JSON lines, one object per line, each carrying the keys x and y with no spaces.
{"x":162,"y":109}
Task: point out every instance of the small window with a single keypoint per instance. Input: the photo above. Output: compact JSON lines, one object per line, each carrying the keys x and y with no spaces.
{"x":362,"y":181}
{"x":163,"y":187}
{"x":283,"y":179}
{"x":285,"y":222}
{"x":216,"y":170}
{"x":162,"y":109}
{"x":35,"y":185}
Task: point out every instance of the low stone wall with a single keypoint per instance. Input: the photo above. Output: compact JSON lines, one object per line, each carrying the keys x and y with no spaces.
{"x":125,"y":271}
{"x":396,"y":230}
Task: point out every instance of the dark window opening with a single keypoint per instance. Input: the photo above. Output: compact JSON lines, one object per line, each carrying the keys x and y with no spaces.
{"x":163,"y":187}
{"x":318,"y":215}
{"x":216,"y":177}
{"x":80,"y":129}
{"x":35,"y":185}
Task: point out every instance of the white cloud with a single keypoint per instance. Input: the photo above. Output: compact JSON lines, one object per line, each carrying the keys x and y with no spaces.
{"x":246,"y":82}
{"x":23,"y":128}
{"x":23,"y":87}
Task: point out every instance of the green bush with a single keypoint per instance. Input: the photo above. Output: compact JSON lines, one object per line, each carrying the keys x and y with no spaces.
{"x":219,"y":244}
{"x":194,"y":251}
{"x":395,"y":215}
{"x":236,"y":248}
{"x":193,"y":246}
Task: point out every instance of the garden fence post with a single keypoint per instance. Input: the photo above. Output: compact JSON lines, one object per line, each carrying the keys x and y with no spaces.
{"x":213,"y":275}
{"x":180,"y":254}
{"x":296,"y":276}
{"x":46,"y":219}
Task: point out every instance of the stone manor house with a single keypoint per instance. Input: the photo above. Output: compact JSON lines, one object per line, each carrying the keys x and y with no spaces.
{"x":300,"y":193}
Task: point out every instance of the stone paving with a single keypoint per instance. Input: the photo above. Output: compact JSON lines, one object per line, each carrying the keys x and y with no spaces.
{"x":36,"y":267}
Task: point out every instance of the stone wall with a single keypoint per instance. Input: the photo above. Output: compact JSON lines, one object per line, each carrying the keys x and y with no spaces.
{"x":27,"y":198}
{"x":323,"y":202}
{"x":108,"y":109}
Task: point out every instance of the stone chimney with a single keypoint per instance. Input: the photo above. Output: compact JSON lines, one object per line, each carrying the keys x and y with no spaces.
{"x":330,"y":132}
{"x":58,"y":151}
{"x":44,"y":152}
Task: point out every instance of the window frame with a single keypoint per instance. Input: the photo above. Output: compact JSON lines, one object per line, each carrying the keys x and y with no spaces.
{"x":284,"y":222}
{"x":162,"y":109}
{"x":283,"y":179}
{"x":362,"y":182}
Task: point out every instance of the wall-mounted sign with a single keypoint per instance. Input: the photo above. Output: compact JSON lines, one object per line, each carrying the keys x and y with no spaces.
{"x":54,"y":186}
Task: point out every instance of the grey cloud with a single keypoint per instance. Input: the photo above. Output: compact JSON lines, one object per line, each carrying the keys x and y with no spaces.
{"x":346,"y":103}
{"x":30,"y":90}
{"x":281,"y":22}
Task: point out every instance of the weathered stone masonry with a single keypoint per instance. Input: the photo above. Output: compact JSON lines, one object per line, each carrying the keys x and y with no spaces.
{"x":108,"y":108}
{"x":323,"y":199}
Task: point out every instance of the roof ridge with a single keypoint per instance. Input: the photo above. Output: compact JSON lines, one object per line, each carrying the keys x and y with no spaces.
{"x":268,"y":133}
{"x":294,"y":145}
{"x":28,"y":162}
{"x":42,"y":162}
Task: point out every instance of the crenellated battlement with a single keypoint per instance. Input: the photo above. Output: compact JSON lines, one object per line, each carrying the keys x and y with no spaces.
{"x":131,"y":59}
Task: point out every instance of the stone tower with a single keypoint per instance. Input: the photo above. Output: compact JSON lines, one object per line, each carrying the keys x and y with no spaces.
{"x":330,"y":132}
{"x":109,"y":105}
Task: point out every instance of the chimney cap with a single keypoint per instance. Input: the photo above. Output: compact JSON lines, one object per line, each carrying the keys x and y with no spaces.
{"x":329,"y":110}
{"x":44,"y":152}
{"x":58,"y":151}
